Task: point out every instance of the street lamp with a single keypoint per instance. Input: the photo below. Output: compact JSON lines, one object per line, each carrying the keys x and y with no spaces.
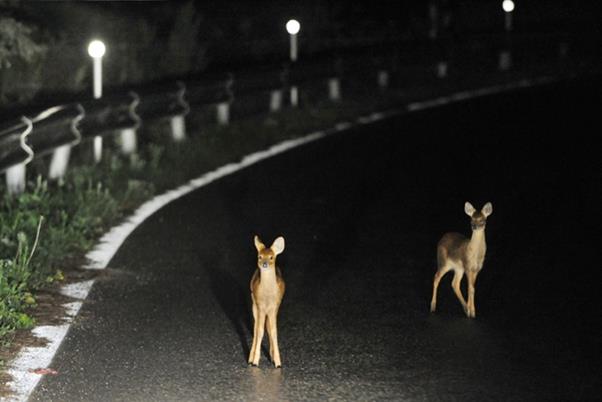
{"x":505,"y":59}
{"x":293,"y":27}
{"x":508,"y":7}
{"x":96,"y":49}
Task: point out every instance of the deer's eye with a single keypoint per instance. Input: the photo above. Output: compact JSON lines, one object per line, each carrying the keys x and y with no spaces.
{"x":271,"y":257}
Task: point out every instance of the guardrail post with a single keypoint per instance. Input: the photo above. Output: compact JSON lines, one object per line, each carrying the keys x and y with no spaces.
{"x":59,"y":162}
{"x":334,"y":89}
{"x":178,"y":128}
{"x":442,"y":69}
{"x":178,"y":122}
{"x":15,"y":179}
{"x":505,"y":60}
{"x":61,"y":155}
{"x":129,"y":142}
{"x":276,"y":100}
{"x":97,"y":149}
{"x":223,"y":113}
{"x":15,"y":175}
{"x":294,"y":94}
{"x":382,"y":78}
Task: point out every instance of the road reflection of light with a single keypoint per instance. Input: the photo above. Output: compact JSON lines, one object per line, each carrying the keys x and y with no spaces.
{"x":267,"y":384}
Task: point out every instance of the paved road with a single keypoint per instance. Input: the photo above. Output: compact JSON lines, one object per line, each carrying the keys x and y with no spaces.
{"x":362,"y":212}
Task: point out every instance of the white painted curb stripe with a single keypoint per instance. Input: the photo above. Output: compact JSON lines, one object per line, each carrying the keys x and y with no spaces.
{"x":31,"y":358}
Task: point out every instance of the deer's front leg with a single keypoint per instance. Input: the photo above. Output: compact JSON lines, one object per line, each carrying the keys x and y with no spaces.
{"x":472,"y":278}
{"x":273,"y":333}
{"x":259,"y":329}
{"x":254,"y":344}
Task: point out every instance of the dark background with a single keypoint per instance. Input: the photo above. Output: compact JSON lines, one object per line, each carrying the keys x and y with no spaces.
{"x":43,"y":44}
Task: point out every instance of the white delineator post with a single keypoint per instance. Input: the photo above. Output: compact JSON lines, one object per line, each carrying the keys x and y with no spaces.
{"x":96,"y":49}
{"x":293,"y":27}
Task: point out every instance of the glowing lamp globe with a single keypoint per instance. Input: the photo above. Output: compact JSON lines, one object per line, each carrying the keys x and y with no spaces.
{"x":508,"y":6}
{"x":96,"y":49}
{"x":293,"y":27}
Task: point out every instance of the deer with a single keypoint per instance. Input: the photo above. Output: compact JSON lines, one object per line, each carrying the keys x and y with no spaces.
{"x":464,"y":256}
{"x":267,"y":290}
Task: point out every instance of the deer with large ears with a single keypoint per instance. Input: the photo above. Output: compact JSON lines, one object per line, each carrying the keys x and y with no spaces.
{"x":463,"y":256}
{"x":267,"y":290}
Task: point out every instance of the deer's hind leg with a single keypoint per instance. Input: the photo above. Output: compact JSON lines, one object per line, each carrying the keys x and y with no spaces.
{"x":458,"y":274}
{"x":441,"y":271}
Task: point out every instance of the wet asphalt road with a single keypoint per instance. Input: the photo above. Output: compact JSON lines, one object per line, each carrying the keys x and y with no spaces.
{"x":362,"y":212}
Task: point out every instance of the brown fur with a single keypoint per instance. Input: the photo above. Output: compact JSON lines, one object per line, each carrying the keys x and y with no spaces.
{"x":267,"y":289}
{"x":463,"y":256}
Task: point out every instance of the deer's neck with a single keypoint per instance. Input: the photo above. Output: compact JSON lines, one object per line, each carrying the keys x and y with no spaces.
{"x":267,"y":277}
{"x":477,"y":242}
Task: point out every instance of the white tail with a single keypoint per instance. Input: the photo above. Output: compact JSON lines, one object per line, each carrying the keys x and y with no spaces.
{"x":463,"y":256}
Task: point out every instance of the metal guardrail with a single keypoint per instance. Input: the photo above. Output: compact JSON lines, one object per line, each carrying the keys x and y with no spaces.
{"x":55,"y":127}
{"x":13,"y":144}
{"x":59,"y":128}
{"x":106,"y":115}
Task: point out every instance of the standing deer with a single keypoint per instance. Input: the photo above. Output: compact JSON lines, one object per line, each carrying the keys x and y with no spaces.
{"x":267,"y":289}
{"x":464,"y":256}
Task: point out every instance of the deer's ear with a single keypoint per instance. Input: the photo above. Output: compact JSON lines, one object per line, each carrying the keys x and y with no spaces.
{"x":278,"y":245}
{"x":258,"y":244}
{"x":469,"y":209}
{"x":487,"y":209}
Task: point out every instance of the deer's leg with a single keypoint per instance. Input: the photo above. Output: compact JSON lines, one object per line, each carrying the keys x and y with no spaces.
{"x":472,"y":278}
{"x":456,"y":286}
{"x":438,"y":275}
{"x":254,"y":344}
{"x":273,"y":334}
{"x":260,"y":327}
{"x":268,"y":328}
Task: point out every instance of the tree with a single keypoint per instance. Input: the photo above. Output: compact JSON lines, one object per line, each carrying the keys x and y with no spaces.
{"x":16,"y":42}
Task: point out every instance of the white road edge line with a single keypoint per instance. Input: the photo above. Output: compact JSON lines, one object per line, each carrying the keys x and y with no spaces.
{"x":30,"y":358}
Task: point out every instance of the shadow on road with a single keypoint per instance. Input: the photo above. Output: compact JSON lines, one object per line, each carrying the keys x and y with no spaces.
{"x":235,"y":302}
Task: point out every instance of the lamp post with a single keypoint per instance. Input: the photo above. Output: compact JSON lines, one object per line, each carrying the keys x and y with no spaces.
{"x":293,"y":27}
{"x":96,"y":49}
{"x":508,"y":7}
{"x":505,"y":60}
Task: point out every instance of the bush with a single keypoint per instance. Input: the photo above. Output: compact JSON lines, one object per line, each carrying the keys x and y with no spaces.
{"x":15,"y":275}
{"x":20,"y":61}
